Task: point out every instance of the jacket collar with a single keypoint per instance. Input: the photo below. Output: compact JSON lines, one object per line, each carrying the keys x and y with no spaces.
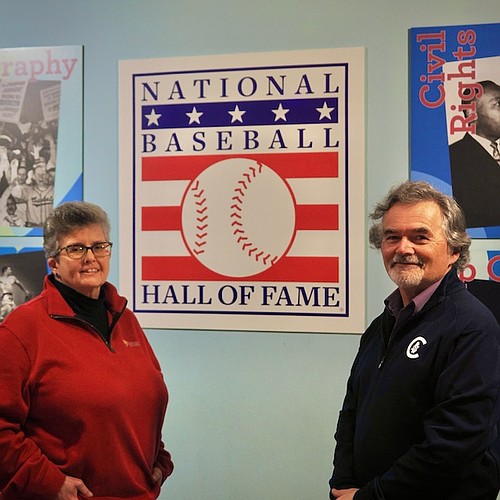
{"x":57,"y":306}
{"x":450,"y":283}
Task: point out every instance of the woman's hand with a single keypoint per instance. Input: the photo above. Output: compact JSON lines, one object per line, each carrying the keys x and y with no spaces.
{"x":71,"y":488}
{"x":157,"y":475}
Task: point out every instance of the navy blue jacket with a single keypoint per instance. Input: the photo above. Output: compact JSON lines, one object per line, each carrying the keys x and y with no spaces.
{"x":421,"y":412}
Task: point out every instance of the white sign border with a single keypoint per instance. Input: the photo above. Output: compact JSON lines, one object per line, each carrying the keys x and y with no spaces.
{"x":354,"y":321}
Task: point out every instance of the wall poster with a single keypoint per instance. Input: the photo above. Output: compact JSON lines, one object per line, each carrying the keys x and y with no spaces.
{"x":41,"y":113}
{"x":242,"y":191}
{"x":41,"y":158}
{"x":455,"y":128}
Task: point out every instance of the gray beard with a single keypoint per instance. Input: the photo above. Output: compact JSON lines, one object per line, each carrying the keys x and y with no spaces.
{"x":407,"y":278}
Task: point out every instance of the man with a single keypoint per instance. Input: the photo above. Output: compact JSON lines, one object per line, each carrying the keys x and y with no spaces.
{"x":475,"y":160}
{"x":40,"y":197}
{"x":11,"y":217}
{"x":5,"y":151}
{"x":20,"y":190}
{"x":419,"y":419}
{"x":7,"y":282}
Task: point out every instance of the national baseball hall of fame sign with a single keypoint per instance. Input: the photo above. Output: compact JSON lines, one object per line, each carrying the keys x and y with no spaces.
{"x":242,"y":191}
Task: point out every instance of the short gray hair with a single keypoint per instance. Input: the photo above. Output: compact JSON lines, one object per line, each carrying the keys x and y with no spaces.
{"x":454,"y":224}
{"x":69,"y":217}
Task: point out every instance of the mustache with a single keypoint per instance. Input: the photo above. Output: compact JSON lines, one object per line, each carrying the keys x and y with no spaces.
{"x":406,"y":259}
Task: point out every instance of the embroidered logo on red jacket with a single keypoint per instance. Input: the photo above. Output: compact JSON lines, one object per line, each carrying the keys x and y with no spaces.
{"x":131,"y":343}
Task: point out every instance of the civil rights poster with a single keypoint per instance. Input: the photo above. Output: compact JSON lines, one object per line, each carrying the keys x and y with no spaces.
{"x":455,"y":117}
{"x":242,"y":191}
{"x":40,"y":134}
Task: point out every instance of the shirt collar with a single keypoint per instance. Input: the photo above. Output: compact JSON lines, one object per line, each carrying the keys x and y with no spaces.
{"x":486,"y":143}
{"x":394,"y":302}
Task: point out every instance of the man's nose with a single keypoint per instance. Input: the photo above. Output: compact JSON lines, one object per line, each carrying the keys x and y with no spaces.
{"x":405,"y":246}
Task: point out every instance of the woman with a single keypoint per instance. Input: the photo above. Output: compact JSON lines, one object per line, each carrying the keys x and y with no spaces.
{"x":82,"y":397}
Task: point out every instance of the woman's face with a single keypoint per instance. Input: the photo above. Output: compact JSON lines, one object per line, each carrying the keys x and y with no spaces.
{"x":87,"y":274}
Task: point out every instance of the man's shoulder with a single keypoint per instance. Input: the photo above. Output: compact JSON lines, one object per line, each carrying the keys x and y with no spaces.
{"x":472,"y":314}
{"x":385,"y":320}
{"x":466,"y":142}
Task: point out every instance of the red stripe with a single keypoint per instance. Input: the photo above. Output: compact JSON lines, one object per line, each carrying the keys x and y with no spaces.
{"x":317,"y":217}
{"x":287,"y":269}
{"x":287,"y":165}
{"x":161,"y":218}
{"x":308,"y":217}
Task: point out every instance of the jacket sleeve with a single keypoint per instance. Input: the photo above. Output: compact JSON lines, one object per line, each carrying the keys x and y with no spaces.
{"x":163,"y":459}
{"x":164,"y":462}
{"x":458,"y":429}
{"x":343,"y":465}
{"x":23,"y":466}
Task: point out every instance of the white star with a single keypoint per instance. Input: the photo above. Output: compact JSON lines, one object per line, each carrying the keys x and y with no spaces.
{"x":153,"y":117}
{"x":325,"y":111}
{"x":237,"y":114}
{"x":194,"y":116}
{"x":280,"y":113}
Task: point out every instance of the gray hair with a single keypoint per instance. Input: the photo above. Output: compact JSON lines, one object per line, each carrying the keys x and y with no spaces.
{"x":69,"y":217}
{"x":454,"y":225}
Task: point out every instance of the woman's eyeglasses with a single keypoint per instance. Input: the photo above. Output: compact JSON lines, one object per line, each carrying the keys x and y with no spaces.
{"x":77,"y":251}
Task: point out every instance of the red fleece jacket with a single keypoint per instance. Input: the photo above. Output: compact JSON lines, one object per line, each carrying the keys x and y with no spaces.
{"x":72,"y":405}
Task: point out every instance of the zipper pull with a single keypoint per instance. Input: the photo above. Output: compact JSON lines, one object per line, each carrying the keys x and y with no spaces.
{"x":381,"y":362}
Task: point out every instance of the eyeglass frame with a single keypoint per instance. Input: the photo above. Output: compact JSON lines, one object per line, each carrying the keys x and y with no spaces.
{"x":91,"y":247}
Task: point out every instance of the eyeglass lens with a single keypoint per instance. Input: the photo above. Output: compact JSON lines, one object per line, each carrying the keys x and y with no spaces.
{"x":78,"y":251}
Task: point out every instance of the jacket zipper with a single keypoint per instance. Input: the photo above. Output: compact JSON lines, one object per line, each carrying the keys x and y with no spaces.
{"x":91,"y":327}
{"x":393,"y":334}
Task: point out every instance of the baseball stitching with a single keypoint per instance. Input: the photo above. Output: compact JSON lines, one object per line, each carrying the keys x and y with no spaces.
{"x":201,"y":218}
{"x":242,"y":239}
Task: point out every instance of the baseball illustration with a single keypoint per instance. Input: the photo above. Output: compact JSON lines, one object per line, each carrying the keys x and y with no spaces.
{"x":238,"y":217}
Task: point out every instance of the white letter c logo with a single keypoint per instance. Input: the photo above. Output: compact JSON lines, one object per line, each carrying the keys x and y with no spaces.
{"x":414,"y":346}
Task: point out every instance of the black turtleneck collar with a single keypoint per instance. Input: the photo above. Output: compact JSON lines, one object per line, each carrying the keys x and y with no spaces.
{"x":91,"y":310}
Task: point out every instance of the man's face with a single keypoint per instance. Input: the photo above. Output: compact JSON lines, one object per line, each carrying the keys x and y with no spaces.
{"x":51,"y":176}
{"x":414,"y":247}
{"x":488,"y":114}
{"x":40,"y":175}
{"x":11,"y":207}
{"x":22,"y":175}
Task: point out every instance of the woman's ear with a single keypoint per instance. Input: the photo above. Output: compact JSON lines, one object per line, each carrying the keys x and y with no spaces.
{"x":53,"y":264}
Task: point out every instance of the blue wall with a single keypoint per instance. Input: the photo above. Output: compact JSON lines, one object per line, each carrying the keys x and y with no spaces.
{"x":251,"y":414}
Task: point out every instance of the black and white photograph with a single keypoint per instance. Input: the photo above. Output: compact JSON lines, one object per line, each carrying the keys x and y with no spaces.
{"x":28,"y":149}
{"x":21,"y":278}
{"x":40,"y":132}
